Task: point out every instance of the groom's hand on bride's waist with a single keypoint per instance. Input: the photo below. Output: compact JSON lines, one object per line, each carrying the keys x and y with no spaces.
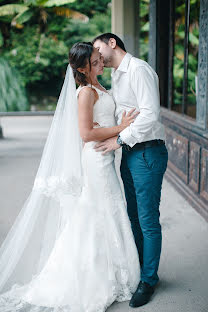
{"x":107,"y":145}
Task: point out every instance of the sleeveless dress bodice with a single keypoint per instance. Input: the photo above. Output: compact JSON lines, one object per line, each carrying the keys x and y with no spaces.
{"x":104,"y":108}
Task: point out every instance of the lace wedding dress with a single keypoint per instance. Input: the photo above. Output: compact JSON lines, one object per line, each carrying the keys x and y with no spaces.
{"x":94,"y":260}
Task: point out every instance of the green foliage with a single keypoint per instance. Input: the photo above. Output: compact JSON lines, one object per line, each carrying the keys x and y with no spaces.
{"x":21,"y":18}
{"x":1,"y":39}
{"x":12,"y":9}
{"x":76,"y":30}
{"x":13,"y":97}
{"x":40,"y":51}
{"x":90,"y":7}
{"x":36,"y":63}
{"x":21,"y":8}
{"x":144,"y":29}
{"x":179,"y":51}
{"x":43,"y":57}
{"x":50,"y":3}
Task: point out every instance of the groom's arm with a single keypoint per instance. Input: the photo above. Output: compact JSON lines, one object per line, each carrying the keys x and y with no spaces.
{"x":146,"y":90}
{"x":145,"y":87}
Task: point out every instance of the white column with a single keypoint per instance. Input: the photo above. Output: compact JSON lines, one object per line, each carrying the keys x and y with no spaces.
{"x":125,"y":23}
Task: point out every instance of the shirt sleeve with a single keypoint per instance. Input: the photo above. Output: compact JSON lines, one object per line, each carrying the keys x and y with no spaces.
{"x":144,"y":84}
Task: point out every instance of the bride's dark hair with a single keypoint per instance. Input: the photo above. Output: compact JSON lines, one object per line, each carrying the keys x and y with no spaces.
{"x":79,"y":56}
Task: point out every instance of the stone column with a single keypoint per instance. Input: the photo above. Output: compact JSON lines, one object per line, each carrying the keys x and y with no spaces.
{"x":125,"y":23}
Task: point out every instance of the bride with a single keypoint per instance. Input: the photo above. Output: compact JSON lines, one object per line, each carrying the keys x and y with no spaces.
{"x":71,"y":248}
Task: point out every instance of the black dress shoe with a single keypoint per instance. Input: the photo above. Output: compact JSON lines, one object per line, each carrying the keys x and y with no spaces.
{"x":142,"y":295}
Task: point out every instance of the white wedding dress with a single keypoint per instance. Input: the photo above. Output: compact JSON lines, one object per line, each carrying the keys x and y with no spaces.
{"x":94,"y":261}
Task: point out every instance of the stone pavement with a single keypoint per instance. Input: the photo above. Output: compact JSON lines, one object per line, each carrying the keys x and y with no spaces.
{"x":183,"y":268}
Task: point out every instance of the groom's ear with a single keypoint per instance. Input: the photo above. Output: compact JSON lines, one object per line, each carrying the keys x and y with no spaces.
{"x":81,"y":70}
{"x":112,"y":43}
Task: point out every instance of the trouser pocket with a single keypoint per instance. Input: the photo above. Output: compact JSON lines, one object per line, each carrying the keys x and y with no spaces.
{"x":155,"y":158}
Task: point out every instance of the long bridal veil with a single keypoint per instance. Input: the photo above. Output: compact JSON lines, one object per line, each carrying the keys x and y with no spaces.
{"x":38,"y":225}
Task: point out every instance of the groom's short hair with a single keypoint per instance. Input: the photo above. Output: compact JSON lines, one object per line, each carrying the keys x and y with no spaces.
{"x":106,"y":37}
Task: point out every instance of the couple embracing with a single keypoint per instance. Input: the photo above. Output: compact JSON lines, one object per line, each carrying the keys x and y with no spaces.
{"x":77,"y":244}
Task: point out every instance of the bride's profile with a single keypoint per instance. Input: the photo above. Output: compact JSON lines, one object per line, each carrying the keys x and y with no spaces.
{"x":71,"y":248}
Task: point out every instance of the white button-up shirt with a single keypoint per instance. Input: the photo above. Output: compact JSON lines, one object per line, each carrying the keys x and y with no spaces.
{"x":135,"y":85}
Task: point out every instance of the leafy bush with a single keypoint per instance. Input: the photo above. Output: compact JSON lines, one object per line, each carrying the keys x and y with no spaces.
{"x":13,"y":96}
{"x":39,"y":48}
{"x":42,"y":58}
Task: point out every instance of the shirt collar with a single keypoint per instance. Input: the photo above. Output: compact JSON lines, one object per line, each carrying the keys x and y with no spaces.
{"x":123,"y":67}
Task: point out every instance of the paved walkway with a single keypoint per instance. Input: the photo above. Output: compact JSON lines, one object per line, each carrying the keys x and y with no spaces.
{"x":183,"y":269}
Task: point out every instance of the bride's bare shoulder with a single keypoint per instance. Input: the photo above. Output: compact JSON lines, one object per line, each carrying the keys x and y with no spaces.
{"x":86,"y":93}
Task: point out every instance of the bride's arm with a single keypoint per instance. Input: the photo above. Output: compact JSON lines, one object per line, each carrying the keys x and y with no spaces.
{"x":86,"y":100}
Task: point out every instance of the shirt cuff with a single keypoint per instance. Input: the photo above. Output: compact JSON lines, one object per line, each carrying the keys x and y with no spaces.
{"x":127,"y":138}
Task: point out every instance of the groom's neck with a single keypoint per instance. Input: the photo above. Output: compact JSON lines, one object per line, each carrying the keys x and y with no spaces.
{"x":118,"y":57}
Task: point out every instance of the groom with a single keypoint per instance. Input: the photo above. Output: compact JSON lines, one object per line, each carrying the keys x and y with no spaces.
{"x":144,"y":155}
